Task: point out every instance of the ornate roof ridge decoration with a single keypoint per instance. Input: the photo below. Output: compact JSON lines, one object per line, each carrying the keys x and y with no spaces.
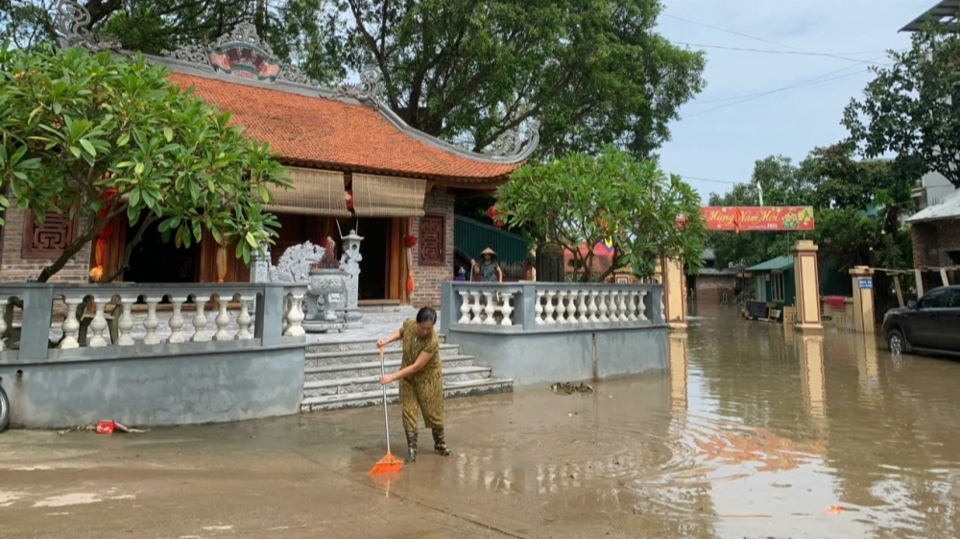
{"x":243,"y":57}
{"x":243,"y":53}
{"x":72,"y":21}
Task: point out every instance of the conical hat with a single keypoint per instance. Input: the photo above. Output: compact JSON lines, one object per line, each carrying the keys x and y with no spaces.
{"x":488,"y":251}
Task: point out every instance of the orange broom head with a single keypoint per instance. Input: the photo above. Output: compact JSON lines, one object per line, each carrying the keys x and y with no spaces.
{"x":387,"y":465}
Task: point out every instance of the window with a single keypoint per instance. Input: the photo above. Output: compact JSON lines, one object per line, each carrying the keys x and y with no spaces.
{"x":47,"y":240}
{"x":934,"y":299}
{"x":777,"y":287}
{"x":954,"y":298}
{"x":432,"y":240}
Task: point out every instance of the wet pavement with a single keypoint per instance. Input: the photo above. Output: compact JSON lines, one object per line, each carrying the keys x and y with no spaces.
{"x":755,"y":432}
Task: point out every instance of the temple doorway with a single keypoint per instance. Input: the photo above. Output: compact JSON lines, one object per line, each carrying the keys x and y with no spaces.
{"x":374,"y":268}
{"x":156,"y":261}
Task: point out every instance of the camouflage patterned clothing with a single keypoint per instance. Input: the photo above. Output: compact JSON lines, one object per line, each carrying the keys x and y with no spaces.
{"x":423,"y":389}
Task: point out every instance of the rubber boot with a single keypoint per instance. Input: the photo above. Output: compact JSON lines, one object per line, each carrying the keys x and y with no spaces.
{"x":411,"y":447}
{"x":439,"y":445}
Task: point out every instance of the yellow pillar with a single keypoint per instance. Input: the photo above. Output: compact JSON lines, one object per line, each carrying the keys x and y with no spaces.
{"x":678,"y":371}
{"x":807,"y":281}
{"x":862,"y":299}
{"x":674,"y":292}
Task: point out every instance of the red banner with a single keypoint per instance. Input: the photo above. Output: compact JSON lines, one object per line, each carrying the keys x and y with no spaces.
{"x":758,"y":218}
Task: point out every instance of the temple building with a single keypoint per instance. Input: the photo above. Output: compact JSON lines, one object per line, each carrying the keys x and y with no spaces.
{"x":354,"y":164}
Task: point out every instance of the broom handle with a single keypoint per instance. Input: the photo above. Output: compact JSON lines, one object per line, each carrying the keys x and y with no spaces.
{"x":386,"y":418}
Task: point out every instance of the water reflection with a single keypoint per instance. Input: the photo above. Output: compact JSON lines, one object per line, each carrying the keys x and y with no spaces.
{"x":755,"y":431}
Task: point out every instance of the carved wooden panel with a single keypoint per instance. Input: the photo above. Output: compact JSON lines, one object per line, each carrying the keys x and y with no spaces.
{"x":47,"y":240}
{"x":432,"y":241}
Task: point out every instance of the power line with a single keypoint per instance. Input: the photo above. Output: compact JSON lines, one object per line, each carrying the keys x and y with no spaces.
{"x":750,"y":97}
{"x":767,"y":41}
{"x":701,"y":179}
{"x":769,"y":51}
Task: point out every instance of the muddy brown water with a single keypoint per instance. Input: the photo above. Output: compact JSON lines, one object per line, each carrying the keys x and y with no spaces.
{"x":755,"y":432}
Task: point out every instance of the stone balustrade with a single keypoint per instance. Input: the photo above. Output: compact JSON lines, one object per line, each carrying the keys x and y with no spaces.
{"x":511,"y":307}
{"x":175,"y":314}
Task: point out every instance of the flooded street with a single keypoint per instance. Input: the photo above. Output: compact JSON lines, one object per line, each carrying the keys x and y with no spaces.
{"x":755,"y":432}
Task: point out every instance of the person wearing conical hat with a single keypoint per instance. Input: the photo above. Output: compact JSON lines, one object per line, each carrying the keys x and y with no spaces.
{"x":489,"y":268}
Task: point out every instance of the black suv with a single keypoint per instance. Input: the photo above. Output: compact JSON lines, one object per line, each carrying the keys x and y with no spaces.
{"x":931,"y":324}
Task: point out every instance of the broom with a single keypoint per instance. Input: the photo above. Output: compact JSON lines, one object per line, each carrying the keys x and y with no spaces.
{"x":388,"y":464}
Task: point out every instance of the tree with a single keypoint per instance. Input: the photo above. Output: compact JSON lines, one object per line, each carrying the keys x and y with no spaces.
{"x":909,"y":108}
{"x":99,"y":136}
{"x":592,"y":72}
{"x":580,"y":198}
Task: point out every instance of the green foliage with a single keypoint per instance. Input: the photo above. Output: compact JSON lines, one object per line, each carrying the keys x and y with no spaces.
{"x":593,"y":71}
{"x":857,"y":207}
{"x":82,"y":131}
{"x":579,"y":198}
{"x":910,"y":107}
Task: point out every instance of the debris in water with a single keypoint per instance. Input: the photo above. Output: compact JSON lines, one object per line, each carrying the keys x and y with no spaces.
{"x":570,"y":388}
{"x":833,"y":510}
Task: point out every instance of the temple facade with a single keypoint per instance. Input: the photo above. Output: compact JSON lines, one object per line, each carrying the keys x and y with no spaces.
{"x":354,"y":165}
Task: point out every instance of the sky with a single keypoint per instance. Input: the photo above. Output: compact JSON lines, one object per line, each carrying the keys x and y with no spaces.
{"x":719,"y":137}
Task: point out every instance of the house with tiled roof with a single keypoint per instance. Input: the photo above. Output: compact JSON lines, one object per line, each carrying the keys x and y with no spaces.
{"x":354,"y":164}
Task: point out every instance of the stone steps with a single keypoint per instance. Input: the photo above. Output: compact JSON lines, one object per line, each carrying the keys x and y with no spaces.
{"x":371,"y":383}
{"x":366,"y":399}
{"x":368,"y":354}
{"x":368,"y":369}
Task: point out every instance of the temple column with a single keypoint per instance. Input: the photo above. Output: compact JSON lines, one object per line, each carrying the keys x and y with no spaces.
{"x":807,"y":282}
{"x":863,"y":312}
{"x":674,"y":291}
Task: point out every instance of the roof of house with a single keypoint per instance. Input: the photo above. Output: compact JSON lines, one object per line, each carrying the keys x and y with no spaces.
{"x":349,"y":129}
{"x":602,"y":258}
{"x":948,"y":208}
{"x":784,"y":262}
{"x":944,"y":12}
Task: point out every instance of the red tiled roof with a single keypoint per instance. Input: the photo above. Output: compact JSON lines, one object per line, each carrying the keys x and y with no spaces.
{"x":602,"y":259}
{"x":326,"y":132}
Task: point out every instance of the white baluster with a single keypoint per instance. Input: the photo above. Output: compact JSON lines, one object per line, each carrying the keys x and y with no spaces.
{"x":295,"y":315}
{"x":464,"y":306}
{"x":663,"y":309}
{"x":614,"y":306}
{"x":582,"y":307}
{"x":548,"y":308}
{"x":98,"y":324}
{"x":490,"y":308}
{"x":561,"y":308}
{"x":631,"y":306}
{"x":593,"y":307}
{"x":538,"y":308}
{"x":622,"y":306}
{"x":71,"y":326}
{"x":222,"y":320}
{"x":244,"y":319}
{"x":506,"y":309}
{"x":200,"y":320}
{"x":125,"y":322}
{"x":602,"y":306}
{"x":176,"y":320}
{"x":152,"y":322}
{"x":642,"y":306}
{"x":476,"y":308}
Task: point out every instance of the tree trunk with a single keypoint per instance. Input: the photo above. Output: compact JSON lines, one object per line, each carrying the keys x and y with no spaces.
{"x":65,"y":257}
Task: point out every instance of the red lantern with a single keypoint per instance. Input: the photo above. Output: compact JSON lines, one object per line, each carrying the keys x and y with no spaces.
{"x":493,"y":214}
{"x":409,"y":241}
{"x":348,"y":195}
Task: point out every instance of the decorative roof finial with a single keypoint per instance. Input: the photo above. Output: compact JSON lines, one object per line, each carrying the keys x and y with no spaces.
{"x":73,"y":23}
{"x":508,"y":144}
{"x":369,"y":90}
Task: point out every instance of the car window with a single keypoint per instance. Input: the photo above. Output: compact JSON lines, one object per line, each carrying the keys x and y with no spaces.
{"x":935,"y":299}
{"x":954,"y":299}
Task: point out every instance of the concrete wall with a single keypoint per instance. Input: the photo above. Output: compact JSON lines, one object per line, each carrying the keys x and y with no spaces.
{"x":147,"y":390}
{"x":545,"y":358}
{"x":932,"y":241}
{"x":14,"y":268}
{"x":429,"y":279}
{"x":711,"y":287}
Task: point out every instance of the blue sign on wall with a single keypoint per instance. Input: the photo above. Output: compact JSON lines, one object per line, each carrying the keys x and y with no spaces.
{"x":865,"y":283}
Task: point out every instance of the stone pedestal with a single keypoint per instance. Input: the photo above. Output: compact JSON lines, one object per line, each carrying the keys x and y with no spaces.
{"x":808,"y":286}
{"x":326,"y":297}
{"x":260,"y":266}
{"x":863,"y":312}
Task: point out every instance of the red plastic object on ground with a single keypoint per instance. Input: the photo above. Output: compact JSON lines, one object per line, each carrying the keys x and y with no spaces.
{"x":106,"y":427}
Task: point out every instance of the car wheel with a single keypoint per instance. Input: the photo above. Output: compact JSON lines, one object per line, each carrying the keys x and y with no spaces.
{"x":896,"y":342}
{"x":4,"y":410}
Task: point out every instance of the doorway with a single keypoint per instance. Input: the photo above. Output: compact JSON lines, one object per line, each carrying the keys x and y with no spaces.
{"x":156,"y":261}
{"x":374,"y":268}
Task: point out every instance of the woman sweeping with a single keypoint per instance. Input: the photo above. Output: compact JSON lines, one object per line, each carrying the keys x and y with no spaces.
{"x":421,"y":379}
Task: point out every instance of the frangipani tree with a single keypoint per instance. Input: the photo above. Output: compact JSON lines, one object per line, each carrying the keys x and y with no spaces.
{"x":584,"y":199}
{"x":101,"y":136}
